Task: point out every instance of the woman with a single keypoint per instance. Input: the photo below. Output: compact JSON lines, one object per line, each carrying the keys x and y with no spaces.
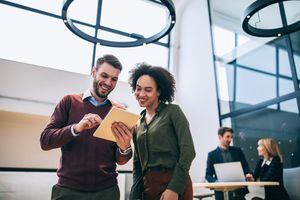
{"x":270,"y":168}
{"x":164,"y":147}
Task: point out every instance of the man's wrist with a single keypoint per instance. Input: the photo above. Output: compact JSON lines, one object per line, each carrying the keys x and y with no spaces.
{"x":126,"y":151}
{"x":73,"y":131}
{"x":76,"y":128}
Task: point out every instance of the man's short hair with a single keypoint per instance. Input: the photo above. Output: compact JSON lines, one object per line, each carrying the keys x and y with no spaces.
{"x":222,"y":130}
{"x":110,"y":59}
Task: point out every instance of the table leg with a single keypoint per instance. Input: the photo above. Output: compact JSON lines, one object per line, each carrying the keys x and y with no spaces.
{"x":226,"y":195}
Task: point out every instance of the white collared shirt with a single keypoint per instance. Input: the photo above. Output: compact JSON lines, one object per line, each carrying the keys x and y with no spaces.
{"x":267,"y":162}
{"x":88,"y":95}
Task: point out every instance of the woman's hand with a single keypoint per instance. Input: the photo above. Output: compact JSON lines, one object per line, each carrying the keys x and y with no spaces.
{"x":169,"y":195}
{"x":122,"y":134}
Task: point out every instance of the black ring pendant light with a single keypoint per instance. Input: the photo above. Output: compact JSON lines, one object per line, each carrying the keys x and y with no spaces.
{"x":139,"y":40}
{"x":256,"y":7}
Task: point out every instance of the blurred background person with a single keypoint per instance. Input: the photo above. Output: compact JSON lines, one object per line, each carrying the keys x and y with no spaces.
{"x":222,"y":154}
{"x":270,"y":168}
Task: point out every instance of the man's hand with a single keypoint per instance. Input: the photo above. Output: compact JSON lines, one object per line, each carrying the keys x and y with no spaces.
{"x":249,"y":177}
{"x":87,"y":122}
{"x":169,"y":195}
{"x":123,"y":135}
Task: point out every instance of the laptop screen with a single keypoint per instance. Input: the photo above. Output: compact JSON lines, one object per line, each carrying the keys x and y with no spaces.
{"x":230,"y":172}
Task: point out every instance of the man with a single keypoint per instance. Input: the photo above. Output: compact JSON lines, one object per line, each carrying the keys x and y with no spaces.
{"x":226,"y":153}
{"x":87,"y":167}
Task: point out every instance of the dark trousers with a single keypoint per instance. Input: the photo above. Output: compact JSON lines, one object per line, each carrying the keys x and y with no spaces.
{"x":232,"y":196}
{"x":155,"y":183}
{"x":62,"y":193}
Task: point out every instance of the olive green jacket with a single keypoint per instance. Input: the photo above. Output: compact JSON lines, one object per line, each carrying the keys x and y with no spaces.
{"x":165,"y":142}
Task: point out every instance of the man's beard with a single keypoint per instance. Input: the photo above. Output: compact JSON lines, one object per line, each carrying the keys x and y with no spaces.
{"x":96,"y":89}
{"x":227,"y":144}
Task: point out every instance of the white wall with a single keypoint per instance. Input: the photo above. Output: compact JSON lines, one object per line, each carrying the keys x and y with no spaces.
{"x":34,"y":89}
{"x":35,"y":185}
{"x":196,"y":90}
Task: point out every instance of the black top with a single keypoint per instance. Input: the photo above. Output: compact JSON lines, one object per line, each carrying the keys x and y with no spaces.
{"x":226,"y":155}
{"x":272,"y":172}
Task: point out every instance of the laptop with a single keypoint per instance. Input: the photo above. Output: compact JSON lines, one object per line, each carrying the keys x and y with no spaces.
{"x":230,"y":172}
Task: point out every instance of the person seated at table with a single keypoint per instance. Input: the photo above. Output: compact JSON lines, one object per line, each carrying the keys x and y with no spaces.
{"x":270,"y":168}
{"x":226,"y":153}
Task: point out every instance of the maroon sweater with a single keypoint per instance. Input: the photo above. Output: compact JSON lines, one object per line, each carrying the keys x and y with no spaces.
{"x":87,"y":163}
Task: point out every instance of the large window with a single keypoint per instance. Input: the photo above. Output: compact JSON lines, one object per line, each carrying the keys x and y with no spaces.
{"x":258,"y":93}
{"x":33,"y":32}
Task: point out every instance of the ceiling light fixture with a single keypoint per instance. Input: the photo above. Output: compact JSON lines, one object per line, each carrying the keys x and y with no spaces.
{"x":141,"y":40}
{"x":258,"y":6}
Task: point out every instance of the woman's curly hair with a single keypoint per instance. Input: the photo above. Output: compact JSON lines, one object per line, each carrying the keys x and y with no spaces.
{"x":164,"y":80}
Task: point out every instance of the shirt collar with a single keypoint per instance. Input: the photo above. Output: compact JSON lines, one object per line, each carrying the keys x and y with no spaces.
{"x":159,"y":108}
{"x":267,"y":162}
{"x":223,"y":150}
{"x":88,"y":95}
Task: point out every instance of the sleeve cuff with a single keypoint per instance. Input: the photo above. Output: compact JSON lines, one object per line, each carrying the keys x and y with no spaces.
{"x":126,"y":151}
{"x":73,"y":131}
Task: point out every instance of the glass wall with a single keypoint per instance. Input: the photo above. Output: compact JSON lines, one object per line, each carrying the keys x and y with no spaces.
{"x":257,"y":89}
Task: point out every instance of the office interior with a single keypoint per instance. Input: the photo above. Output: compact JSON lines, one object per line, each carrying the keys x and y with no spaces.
{"x":224,"y":77}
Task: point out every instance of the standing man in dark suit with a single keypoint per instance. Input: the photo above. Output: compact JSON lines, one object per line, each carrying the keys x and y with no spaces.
{"x":226,"y":153}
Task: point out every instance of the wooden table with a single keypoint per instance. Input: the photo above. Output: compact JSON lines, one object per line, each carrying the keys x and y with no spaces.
{"x":225,"y":187}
